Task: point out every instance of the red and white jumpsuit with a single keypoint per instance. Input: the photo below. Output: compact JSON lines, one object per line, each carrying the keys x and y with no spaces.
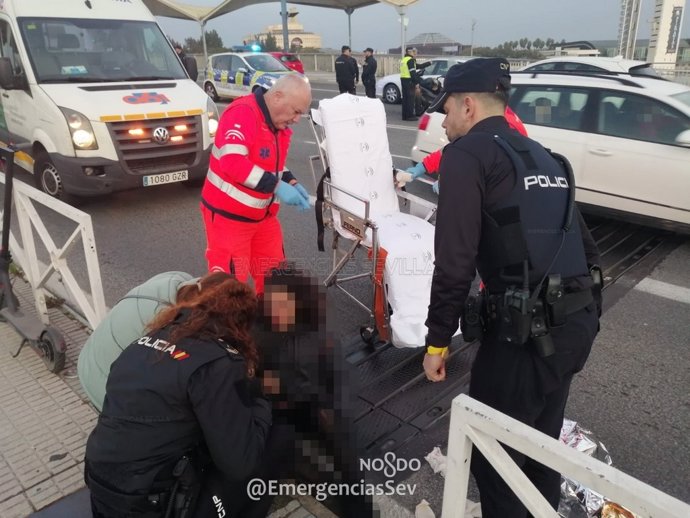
{"x":238,"y":203}
{"x":433,"y":160}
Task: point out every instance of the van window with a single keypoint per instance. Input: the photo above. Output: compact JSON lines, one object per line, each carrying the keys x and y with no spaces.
{"x":65,"y":50}
{"x":559,"y":107}
{"x":8,"y":48}
{"x":626,"y":115}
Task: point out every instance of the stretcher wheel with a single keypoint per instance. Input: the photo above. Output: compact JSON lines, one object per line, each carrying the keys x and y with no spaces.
{"x":369,"y":334}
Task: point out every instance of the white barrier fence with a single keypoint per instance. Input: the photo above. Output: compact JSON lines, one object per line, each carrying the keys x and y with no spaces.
{"x":472,"y":422}
{"x":40,"y":276}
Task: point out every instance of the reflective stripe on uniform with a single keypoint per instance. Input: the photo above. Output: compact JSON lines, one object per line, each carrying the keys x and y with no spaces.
{"x":229,"y":149}
{"x":254,"y":177}
{"x":236,"y":194}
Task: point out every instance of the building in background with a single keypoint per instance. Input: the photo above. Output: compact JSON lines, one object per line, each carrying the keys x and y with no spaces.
{"x":434,"y":44}
{"x":627,"y":28}
{"x":297,"y":36}
{"x":665,"y":37}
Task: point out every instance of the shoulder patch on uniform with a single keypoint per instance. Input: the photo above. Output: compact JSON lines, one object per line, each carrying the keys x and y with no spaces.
{"x":228,"y":347}
{"x":234,"y":134}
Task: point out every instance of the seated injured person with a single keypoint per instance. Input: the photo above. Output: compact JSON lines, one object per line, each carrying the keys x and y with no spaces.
{"x":305,"y":378}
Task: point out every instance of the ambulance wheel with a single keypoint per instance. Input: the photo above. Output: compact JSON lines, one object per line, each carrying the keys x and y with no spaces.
{"x":211,"y":92}
{"x":48,"y":179}
{"x":52,"y":348}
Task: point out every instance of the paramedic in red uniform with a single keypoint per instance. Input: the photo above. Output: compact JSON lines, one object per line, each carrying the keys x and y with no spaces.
{"x":432,"y":161}
{"x":247,"y":180}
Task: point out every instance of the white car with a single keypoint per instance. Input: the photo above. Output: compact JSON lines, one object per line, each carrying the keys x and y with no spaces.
{"x":388,"y":87}
{"x":627,"y":137}
{"x":596,"y":65}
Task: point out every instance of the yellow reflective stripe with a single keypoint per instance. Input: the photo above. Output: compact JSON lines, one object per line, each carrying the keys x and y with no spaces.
{"x":254,"y":177}
{"x":404,"y":68}
{"x":233,"y":192}
{"x":229,"y":149}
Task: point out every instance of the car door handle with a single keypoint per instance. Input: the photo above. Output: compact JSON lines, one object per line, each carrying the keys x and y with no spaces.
{"x":600,"y":152}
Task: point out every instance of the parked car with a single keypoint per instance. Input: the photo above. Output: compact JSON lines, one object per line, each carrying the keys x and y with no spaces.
{"x":596,"y":65}
{"x":388,"y":87}
{"x":289,"y":60}
{"x":627,"y":137}
{"x":234,"y":74}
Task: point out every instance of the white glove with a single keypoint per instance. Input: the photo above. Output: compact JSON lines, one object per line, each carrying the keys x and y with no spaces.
{"x":403,"y":177}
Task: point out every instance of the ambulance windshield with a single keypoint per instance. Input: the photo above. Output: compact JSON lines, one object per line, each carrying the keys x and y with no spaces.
{"x":64,"y":50}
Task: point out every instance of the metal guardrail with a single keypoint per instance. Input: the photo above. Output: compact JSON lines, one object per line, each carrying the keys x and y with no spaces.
{"x":91,"y":306}
{"x":473,"y":423}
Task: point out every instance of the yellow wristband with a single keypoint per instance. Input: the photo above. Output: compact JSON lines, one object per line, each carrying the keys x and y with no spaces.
{"x":430,"y":349}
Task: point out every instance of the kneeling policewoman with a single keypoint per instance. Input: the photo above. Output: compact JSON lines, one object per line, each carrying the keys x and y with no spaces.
{"x":184,"y":423}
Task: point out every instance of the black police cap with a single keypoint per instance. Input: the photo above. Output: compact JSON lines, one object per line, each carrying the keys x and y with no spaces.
{"x":477,"y":75}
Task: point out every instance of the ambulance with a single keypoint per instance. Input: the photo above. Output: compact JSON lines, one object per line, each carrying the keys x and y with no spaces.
{"x":95,"y":100}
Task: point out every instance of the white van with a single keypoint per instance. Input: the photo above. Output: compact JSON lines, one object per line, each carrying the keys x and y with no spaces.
{"x":97,"y":100}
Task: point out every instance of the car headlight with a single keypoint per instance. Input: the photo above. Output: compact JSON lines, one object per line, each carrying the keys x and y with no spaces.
{"x":212,"y":112}
{"x":80,"y":129}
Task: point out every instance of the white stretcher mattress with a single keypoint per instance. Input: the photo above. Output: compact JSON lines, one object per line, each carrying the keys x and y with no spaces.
{"x":360,"y":162}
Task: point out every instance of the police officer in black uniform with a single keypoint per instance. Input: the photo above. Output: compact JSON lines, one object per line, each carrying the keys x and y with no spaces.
{"x":184,"y":423}
{"x":369,"y":73}
{"x":506,"y":209}
{"x":346,"y":71}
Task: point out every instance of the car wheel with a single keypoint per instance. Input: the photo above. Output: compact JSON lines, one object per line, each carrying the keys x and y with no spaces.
{"x":211,"y":92}
{"x":391,"y":94}
{"x":48,"y":179}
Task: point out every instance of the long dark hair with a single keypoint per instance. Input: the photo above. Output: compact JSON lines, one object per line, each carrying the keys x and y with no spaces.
{"x":309,"y":294}
{"x":215,"y":306}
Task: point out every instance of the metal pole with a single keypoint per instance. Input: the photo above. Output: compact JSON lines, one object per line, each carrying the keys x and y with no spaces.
{"x":284,"y":16}
{"x":203,"y":42}
{"x":349,"y":11}
{"x":401,"y":10}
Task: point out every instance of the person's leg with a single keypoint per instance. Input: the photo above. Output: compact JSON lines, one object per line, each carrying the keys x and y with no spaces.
{"x":573,"y":343}
{"x":352,"y":89}
{"x":370,"y":89}
{"x":228,"y":246}
{"x":405,"y":93}
{"x":266,"y":250}
{"x":342,"y":87}
{"x":503,"y":378}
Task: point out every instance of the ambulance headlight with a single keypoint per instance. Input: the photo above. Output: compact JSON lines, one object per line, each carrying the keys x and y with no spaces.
{"x":212,"y":111}
{"x":80,"y":129}
{"x":83,"y":139}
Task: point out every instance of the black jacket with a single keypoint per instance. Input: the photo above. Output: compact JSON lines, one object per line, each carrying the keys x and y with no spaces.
{"x":165,"y":401}
{"x":369,"y":70}
{"x":190,"y":66}
{"x":346,"y":69}
{"x":475,"y":174}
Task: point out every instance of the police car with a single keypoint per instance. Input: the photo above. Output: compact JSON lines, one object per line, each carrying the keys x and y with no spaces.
{"x":627,"y":137}
{"x":234,"y":74}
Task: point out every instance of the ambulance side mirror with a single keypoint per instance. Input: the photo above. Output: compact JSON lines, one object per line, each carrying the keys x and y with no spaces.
{"x":6,"y":74}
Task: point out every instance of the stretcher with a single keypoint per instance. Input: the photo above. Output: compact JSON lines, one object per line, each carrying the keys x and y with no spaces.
{"x":359,"y":203}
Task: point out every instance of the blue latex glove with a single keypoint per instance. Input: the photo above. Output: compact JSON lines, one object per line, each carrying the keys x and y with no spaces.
{"x":436,"y":186}
{"x":303,"y":192}
{"x":417,"y":170}
{"x":289,"y":195}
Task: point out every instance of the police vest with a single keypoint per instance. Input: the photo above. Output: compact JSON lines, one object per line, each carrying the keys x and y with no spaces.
{"x":147,"y":392}
{"x":267,"y":152}
{"x":404,"y":68}
{"x":528,"y":224}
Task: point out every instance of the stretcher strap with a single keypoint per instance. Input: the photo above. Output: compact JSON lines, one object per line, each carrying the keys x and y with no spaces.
{"x":318,"y":209}
{"x":379,"y":295}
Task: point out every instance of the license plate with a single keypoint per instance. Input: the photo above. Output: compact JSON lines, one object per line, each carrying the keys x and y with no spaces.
{"x":160,"y":179}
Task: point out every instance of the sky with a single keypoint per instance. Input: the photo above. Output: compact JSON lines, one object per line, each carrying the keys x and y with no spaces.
{"x":378,"y":26}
